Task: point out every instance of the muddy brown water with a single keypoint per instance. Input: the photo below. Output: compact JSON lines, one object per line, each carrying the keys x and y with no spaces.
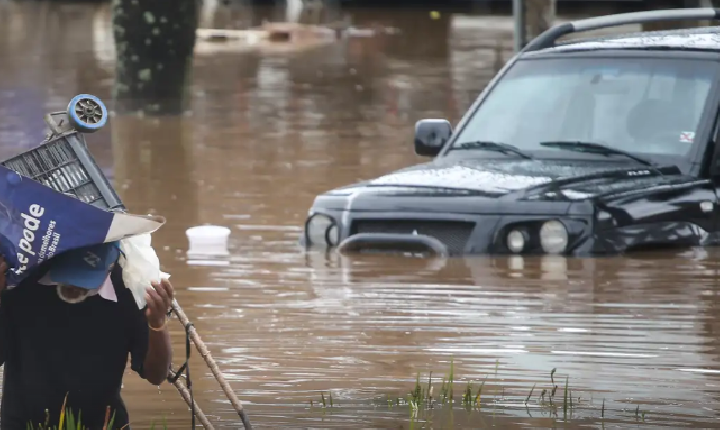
{"x":267,"y":131}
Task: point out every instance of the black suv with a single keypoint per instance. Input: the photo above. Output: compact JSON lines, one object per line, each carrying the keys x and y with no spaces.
{"x":578,"y":148}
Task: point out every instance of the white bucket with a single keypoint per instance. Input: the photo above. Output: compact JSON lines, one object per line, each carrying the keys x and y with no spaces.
{"x":206,"y":242}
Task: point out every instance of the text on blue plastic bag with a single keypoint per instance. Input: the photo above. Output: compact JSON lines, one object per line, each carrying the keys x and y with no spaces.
{"x":37,"y":222}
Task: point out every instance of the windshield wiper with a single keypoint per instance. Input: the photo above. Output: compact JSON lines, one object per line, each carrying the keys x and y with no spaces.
{"x":493,"y":146}
{"x":594,"y":147}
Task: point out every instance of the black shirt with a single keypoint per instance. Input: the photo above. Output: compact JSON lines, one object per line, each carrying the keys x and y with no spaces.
{"x":52,"y":348}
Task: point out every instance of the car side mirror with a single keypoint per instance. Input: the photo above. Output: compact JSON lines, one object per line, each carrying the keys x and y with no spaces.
{"x":431,"y":135}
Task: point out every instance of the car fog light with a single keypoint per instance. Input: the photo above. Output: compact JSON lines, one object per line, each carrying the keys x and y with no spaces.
{"x":553,"y":237}
{"x":317,"y":228}
{"x":516,"y":241}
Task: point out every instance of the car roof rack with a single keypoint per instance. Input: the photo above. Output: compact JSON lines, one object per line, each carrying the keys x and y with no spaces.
{"x":548,"y":38}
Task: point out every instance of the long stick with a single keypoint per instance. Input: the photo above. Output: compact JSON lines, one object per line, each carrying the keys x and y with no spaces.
{"x":185,"y":394}
{"x":202,"y":349}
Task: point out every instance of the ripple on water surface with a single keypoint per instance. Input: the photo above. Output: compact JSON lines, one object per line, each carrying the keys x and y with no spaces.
{"x":363,"y":327}
{"x":265,"y":134}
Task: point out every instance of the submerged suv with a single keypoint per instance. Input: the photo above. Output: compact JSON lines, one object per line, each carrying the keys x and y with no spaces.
{"x":577,"y":148}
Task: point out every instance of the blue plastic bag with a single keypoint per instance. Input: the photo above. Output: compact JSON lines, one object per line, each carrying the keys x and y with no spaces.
{"x":37,"y":223}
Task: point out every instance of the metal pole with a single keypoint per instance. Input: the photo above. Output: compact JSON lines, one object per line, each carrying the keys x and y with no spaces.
{"x":519,"y":21}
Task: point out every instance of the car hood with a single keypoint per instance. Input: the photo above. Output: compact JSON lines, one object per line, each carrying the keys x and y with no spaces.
{"x":574,"y":179}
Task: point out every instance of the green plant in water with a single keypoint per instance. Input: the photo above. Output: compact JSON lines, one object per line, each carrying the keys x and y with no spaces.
{"x":554,"y":387}
{"x":530,"y":395}
{"x":68,"y":421}
{"x":164,"y":427}
{"x":429,"y":388}
{"x":479,"y":393}
{"x":450,"y":379}
{"x":565,"y":398}
{"x":421,"y":397}
{"x":443,"y":392}
{"x":467,"y":398}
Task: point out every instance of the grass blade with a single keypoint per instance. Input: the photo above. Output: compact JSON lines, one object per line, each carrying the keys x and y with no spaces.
{"x":70,"y":420}
{"x":62,"y":411}
{"x":479,"y":393}
{"x":565,"y":398}
{"x":112,"y":419}
{"x":530,"y":395}
{"x":450,"y":379}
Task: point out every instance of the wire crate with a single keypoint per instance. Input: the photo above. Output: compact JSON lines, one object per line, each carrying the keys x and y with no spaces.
{"x":64,"y":163}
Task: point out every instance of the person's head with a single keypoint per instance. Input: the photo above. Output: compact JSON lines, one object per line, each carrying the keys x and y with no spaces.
{"x":80,"y":273}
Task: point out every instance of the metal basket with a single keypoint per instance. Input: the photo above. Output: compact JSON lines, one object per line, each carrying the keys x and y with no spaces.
{"x":64,"y":163}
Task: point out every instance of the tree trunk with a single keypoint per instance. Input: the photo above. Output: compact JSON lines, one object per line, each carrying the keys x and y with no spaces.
{"x":532,"y":17}
{"x":539,"y":16}
{"x":674,"y":25}
{"x":154,"y":40}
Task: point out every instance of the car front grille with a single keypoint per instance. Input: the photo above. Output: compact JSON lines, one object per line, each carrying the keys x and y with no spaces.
{"x":454,"y":234}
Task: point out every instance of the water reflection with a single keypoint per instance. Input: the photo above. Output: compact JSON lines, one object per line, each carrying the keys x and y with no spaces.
{"x":615,"y":324}
{"x":266,"y":133}
{"x":153,"y":162}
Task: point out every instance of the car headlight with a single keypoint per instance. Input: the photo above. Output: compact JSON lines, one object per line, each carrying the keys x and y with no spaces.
{"x":553,"y":237}
{"x":516,"y":241}
{"x":321,"y":229}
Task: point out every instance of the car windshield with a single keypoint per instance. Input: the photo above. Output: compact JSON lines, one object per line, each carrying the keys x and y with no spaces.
{"x":639,"y":105}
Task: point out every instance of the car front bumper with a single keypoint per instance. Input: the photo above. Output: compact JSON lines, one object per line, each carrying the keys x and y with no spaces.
{"x":448,"y":234}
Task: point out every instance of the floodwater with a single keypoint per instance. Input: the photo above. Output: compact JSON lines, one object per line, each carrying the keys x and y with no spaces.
{"x":269,"y":129}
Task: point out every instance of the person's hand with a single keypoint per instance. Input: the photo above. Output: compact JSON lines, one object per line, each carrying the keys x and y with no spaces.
{"x":159,"y":299}
{"x":3,"y":269}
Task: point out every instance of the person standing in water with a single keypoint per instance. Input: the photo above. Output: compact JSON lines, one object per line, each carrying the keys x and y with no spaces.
{"x":66,"y":332}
